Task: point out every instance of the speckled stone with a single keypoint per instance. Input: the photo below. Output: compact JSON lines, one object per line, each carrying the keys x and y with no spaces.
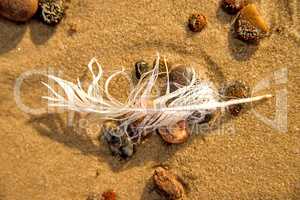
{"x":51,"y":12}
{"x":197,"y":22}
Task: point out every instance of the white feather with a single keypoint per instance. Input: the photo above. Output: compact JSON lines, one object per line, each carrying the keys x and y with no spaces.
{"x":165,"y":110}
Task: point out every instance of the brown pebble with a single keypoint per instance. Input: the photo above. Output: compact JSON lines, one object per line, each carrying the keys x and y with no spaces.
{"x":168,"y":183}
{"x":246,"y":31}
{"x":197,"y":22}
{"x":108,"y":195}
{"x":180,"y":76}
{"x":250,"y":26}
{"x":235,"y":90}
{"x":18,"y":10}
{"x":175,"y":135}
{"x":232,"y":6}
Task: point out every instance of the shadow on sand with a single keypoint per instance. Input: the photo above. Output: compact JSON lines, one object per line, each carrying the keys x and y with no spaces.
{"x":11,"y":33}
{"x":55,"y":127}
{"x":239,"y":50}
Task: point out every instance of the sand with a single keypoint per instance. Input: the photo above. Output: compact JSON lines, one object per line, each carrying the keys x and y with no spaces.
{"x":245,"y":158}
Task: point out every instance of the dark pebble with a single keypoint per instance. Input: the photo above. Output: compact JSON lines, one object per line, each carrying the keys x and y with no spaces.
{"x":141,"y":67}
{"x":197,"y":22}
{"x":51,"y":12}
{"x":232,"y":6}
{"x":235,"y":90}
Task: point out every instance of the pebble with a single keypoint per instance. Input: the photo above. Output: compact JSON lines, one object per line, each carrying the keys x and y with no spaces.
{"x":235,"y":90}
{"x":136,"y":128}
{"x":232,"y":6}
{"x":119,"y":143}
{"x":108,"y":195}
{"x":168,"y":183}
{"x":197,"y":22}
{"x":18,"y":10}
{"x":180,"y":76}
{"x":250,"y":26}
{"x":246,"y":31}
{"x":51,"y":12}
{"x":175,"y":135}
{"x":141,"y":67}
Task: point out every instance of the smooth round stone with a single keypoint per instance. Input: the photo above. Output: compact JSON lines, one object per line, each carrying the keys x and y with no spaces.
{"x":18,"y":10}
{"x":180,"y":76}
{"x":197,"y":22}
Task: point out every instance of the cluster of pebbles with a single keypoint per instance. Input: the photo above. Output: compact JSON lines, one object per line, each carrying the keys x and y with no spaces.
{"x":50,"y":12}
{"x":121,"y":144}
{"x":249,"y":26}
{"x":167,"y":183}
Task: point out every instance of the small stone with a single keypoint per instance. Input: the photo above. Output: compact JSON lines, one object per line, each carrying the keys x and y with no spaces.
{"x":127,"y":149}
{"x":232,"y":6}
{"x":110,"y":126}
{"x":119,"y":143}
{"x":197,"y":22}
{"x":108,"y":195}
{"x":180,"y":76}
{"x":250,"y":26}
{"x":246,"y":31}
{"x":18,"y":10}
{"x":51,"y":12}
{"x":235,"y":90}
{"x":135,"y":130}
{"x":177,"y":134}
{"x":168,"y":183}
{"x":141,"y":67}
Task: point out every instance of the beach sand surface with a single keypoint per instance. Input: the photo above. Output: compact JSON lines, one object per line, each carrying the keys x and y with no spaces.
{"x":46,"y":156}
